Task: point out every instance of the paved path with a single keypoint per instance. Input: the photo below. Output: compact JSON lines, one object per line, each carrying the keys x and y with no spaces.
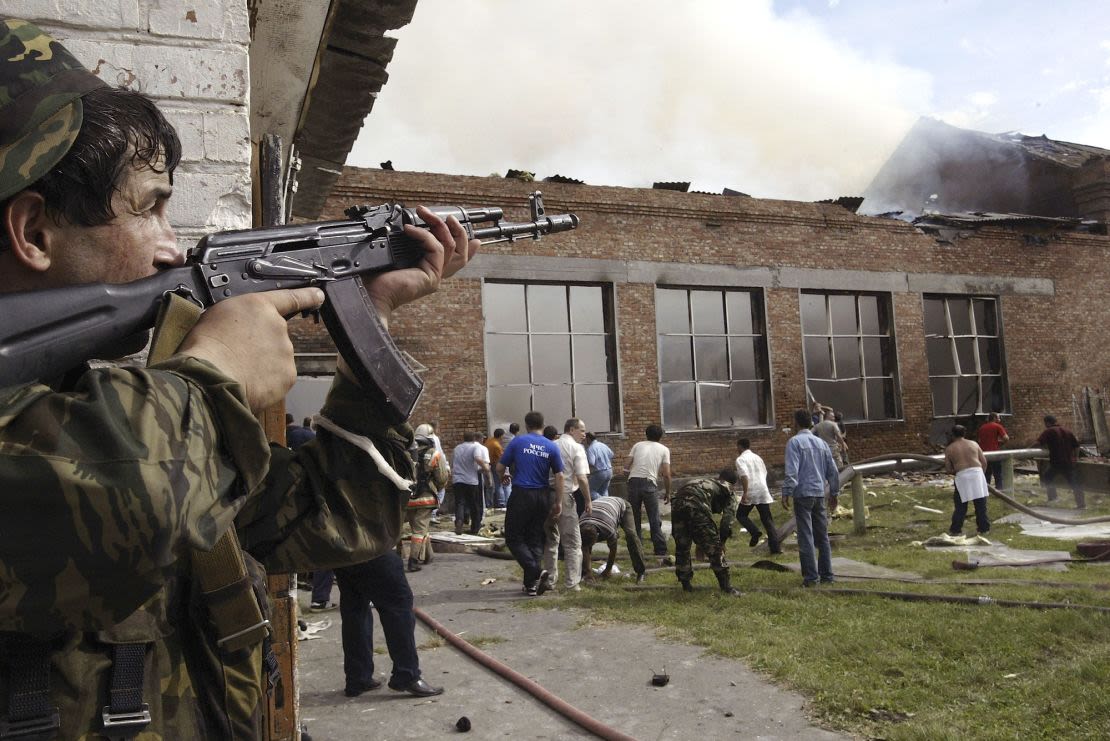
{"x":603,"y":671}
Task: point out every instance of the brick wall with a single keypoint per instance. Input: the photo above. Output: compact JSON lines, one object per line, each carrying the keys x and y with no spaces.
{"x":1051,"y":290}
{"x":192,"y":60}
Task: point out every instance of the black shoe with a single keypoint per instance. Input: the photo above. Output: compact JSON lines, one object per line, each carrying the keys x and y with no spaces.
{"x":541,"y":583}
{"x":417,"y":688}
{"x":829,"y":580}
{"x":754,"y":540}
{"x":686,"y":585}
{"x":776,"y":551}
{"x":809,"y":584}
{"x":354,"y":689}
{"x":413,"y":565}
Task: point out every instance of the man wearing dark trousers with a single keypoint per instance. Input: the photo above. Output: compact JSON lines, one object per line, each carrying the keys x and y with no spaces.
{"x":1062,"y":446}
{"x":380,"y":582}
{"x":754,"y":494}
{"x":533,"y":458}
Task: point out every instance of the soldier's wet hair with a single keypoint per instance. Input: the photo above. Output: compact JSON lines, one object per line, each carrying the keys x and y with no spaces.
{"x":122,"y":129}
{"x":728,"y":473}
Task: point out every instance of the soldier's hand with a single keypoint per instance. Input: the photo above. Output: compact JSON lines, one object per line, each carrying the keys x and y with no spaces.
{"x":446,"y":251}
{"x":247,"y":338}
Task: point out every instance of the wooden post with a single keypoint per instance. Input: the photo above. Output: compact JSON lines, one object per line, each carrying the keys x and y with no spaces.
{"x":1008,"y":475}
{"x":859,"y":518}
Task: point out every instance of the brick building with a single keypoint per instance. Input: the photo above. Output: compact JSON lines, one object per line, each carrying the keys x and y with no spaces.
{"x":721,"y":315}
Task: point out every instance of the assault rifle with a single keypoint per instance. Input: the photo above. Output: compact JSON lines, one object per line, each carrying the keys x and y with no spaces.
{"x":45,"y":333}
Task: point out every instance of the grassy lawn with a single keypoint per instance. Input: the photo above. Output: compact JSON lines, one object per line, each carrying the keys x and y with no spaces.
{"x":885,"y":668}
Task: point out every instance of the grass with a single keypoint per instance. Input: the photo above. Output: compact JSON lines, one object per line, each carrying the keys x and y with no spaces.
{"x":890,"y":669}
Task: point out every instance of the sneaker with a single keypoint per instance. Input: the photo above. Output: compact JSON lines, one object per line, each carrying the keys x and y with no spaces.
{"x":541,"y":583}
{"x":754,"y":540}
{"x":574,"y":588}
{"x":323,"y":606}
{"x":532,"y":591}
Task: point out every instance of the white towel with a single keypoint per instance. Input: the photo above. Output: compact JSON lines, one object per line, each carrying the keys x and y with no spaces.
{"x":971,"y":484}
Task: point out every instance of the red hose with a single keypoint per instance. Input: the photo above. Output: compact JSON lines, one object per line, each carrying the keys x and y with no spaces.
{"x":537,"y":691}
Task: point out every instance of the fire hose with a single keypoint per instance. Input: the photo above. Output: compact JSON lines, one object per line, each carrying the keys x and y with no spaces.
{"x":537,"y":691}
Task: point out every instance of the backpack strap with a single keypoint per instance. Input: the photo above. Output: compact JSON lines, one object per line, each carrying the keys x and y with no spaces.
{"x":30,"y":716}
{"x":126,"y":715}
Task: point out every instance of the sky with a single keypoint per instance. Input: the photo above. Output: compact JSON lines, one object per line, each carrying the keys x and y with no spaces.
{"x":793,"y":99}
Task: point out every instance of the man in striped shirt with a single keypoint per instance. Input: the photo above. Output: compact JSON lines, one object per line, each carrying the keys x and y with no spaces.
{"x":601,"y":523}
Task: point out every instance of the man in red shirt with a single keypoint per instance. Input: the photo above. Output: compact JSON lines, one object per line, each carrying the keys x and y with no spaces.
{"x":991,"y":437}
{"x":1061,"y":444}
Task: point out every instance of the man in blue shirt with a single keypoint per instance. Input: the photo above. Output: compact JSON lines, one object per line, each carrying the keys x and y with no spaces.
{"x":533,"y":458}
{"x":600,"y":457}
{"x":809,"y":469}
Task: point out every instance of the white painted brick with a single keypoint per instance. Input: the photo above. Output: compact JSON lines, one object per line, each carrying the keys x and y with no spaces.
{"x":200,"y":20}
{"x":162,"y":71}
{"x":215,"y":136}
{"x":210,"y":201}
{"x":93,"y":14}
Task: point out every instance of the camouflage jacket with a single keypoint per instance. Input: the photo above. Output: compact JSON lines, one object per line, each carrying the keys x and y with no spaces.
{"x":710,"y":496}
{"x":108,"y":482}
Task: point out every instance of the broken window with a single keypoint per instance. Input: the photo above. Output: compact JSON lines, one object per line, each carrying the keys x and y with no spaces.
{"x":550,"y":347}
{"x":848,"y":344}
{"x":713,"y":366}
{"x":963,"y":344}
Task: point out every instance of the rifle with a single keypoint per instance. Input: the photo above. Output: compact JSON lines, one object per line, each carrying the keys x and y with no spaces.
{"x":45,"y":333}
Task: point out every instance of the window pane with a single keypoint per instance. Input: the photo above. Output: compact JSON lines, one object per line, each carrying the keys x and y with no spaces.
{"x":739,"y":308}
{"x":961,"y":322}
{"x":547,"y":308}
{"x":716,"y":405}
{"x":869,"y":315}
{"x":507,"y":359}
{"x":554,"y":402}
{"x":994,"y":394}
{"x":878,"y":358}
{"x":939,"y":352}
{"x":708,"y":312}
{"x":748,"y":403}
{"x":589,"y":358}
{"x":745,"y":362}
{"x":509,"y":404}
{"x":985,"y":317}
{"x":586,"y":313}
{"x":847,"y":357}
{"x":814,"y":318}
{"x":503,"y":306}
{"x":967,"y":395}
{"x":551,"y":358}
{"x":671,"y":311}
{"x":676,"y":359}
{"x":880,"y":398}
{"x":678,"y":406}
{"x":591,"y":403}
{"x":942,"y":396}
{"x":990,"y":355}
{"x":934,"y":318}
{"x":965,"y":353}
{"x":818,"y":359}
{"x":711,"y":358}
{"x":843,"y":396}
{"x":843,"y":310}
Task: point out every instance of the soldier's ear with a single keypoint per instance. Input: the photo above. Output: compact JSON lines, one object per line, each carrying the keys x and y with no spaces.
{"x":30,"y":230}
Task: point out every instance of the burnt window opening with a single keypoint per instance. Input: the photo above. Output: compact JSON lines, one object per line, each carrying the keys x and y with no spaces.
{"x":713,"y":366}
{"x":964,"y":348}
{"x":550,"y":347}
{"x":850,"y":356}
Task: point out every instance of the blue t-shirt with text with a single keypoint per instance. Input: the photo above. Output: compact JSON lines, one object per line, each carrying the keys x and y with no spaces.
{"x":533,"y":457}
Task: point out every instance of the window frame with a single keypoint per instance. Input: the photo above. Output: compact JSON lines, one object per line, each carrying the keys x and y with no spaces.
{"x":761,"y":364}
{"x":608,"y":333}
{"x":954,"y":354}
{"x":885,"y":303}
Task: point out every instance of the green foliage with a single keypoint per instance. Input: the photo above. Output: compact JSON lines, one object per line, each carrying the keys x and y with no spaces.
{"x":886,"y":668}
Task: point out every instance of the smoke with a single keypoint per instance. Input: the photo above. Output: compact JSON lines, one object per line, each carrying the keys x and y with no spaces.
{"x":622,"y":92}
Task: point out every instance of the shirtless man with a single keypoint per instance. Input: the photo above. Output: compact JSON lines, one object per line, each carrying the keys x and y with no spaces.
{"x":965,"y":459}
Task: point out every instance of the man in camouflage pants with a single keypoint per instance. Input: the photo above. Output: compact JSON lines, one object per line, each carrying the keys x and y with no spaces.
{"x":692,"y":522}
{"x":119,"y":480}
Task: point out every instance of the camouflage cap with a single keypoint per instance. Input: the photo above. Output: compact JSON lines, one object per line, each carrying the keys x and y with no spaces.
{"x":41,"y":85}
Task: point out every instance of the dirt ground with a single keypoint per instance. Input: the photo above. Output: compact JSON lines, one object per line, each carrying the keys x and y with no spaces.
{"x":603,"y":671}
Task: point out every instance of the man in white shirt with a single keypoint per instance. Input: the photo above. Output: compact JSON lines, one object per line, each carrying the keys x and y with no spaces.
{"x":648,"y":461}
{"x":564,"y":528}
{"x":754,"y":493}
{"x":469,"y":461}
